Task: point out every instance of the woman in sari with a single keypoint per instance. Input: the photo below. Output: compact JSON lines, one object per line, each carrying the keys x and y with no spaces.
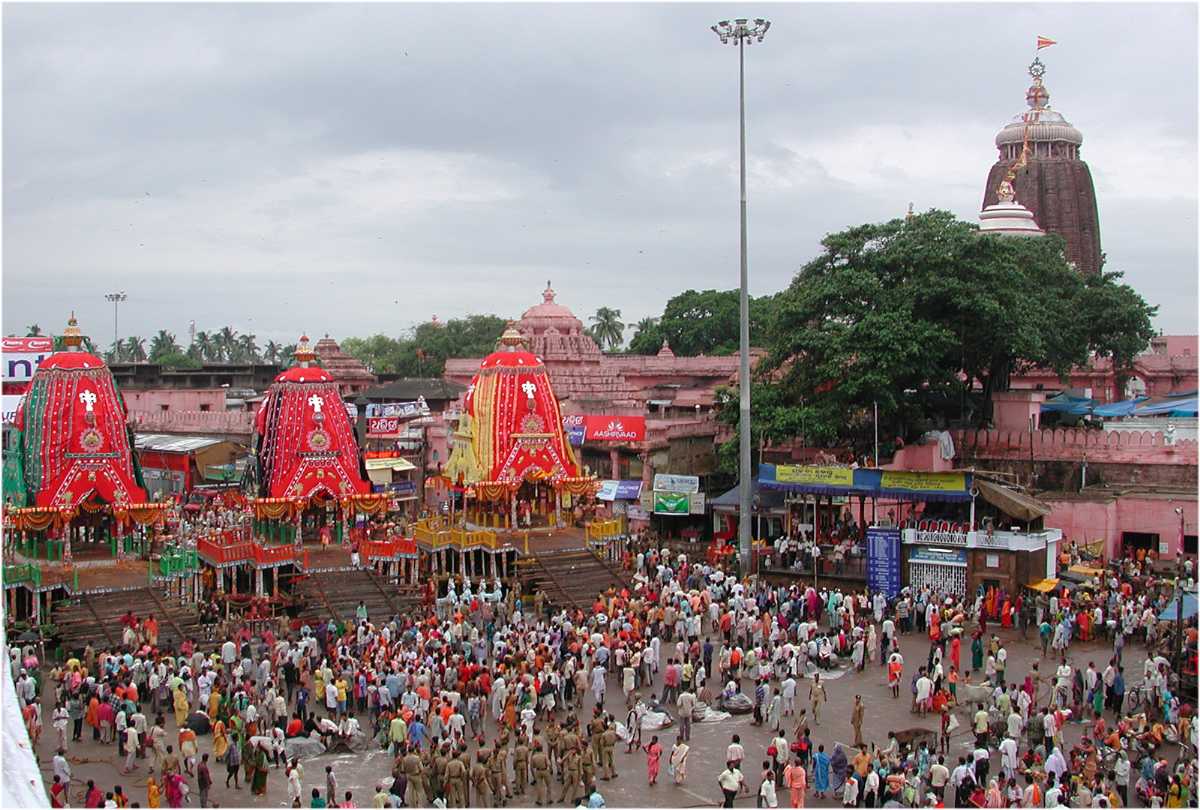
{"x":174,"y":785}
{"x":956,"y":652}
{"x":993,"y":798}
{"x":214,"y":703}
{"x":258,"y":785}
{"x":153,"y":797}
{"x":248,"y":752}
{"x":977,"y":652}
{"x":653,"y":759}
{"x":220,"y":742}
{"x":510,"y":712}
{"x":181,"y":707}
{"x":795,"y":779}
{"x":821,"y":772}
{"x":839,"y":766}
{"x":678,"y":761}
{"x":1006,"y":615}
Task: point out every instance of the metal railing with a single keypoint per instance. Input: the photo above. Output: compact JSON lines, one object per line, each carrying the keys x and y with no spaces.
{"x":17,"y":574}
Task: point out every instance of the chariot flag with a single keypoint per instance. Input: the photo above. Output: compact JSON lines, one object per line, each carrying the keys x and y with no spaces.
{"x":1044,"y":42}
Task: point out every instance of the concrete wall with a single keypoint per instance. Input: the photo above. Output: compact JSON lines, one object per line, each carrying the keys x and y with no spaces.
{"x":182,"y":399}
{"x":1086,"y":520}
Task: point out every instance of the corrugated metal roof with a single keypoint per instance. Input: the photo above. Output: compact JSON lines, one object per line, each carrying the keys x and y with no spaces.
{"x":162,"y":442}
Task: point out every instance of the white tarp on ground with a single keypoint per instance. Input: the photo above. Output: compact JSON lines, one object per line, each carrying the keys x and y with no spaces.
{"x":21,"y":779}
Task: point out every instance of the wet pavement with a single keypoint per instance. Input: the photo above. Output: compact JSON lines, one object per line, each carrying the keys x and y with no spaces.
{"x":360,"y":773}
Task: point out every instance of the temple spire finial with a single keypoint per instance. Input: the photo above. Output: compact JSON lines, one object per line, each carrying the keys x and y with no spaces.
{"x":548,"y":293}
{"x":72,"y":337}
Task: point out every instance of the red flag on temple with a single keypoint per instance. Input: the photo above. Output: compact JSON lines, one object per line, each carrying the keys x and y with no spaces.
{"x":1044,"y":42}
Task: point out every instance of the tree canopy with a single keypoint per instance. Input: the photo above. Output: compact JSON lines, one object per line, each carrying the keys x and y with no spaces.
{"x":704,"y":322}
{"x":607,"y":329}
{"x":424,"y":351}
{"x":915,"y":314}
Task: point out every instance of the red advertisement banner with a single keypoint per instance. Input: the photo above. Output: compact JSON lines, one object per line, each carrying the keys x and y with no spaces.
{"x":607,"y":428}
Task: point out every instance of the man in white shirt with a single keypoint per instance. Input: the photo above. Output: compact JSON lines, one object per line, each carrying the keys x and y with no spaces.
{"x":1008,"y":757}
{"x":924,"y":692}
{"x":735,"y":753}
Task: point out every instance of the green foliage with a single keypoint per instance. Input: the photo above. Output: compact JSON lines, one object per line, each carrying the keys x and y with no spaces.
{"x":33,"y":330}
{"x":704,"y":322}
{"x":163,"y":344}
{"x":423,"y":353}
{"x":607,"y":329}
{"x":899,"y":313}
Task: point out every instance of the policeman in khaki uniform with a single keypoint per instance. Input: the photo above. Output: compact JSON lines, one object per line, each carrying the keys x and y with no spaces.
{"x":520,"y":766}
{"x":608,"y":741}
{"x":437,"y":788}
{"x":571,"y":776}
{"x":553,"y":738}
{"x":498,"y":775}
{"x":456,"y":783}
{"x":541,"y":773}
{"x":595,"y":733}
{"x":414,"y":795}
{"x":479,"y":780}
{"x":587,"y":762}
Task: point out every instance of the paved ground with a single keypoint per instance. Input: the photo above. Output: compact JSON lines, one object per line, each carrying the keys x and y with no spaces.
{"x":359,"y":773}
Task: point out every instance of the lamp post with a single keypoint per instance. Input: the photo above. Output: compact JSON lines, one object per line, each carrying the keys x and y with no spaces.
{"x":116,"y":298}
{"x":742,"y":32}
{"x":1179,"y":593}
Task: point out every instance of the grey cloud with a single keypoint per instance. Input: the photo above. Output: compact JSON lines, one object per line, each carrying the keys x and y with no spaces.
{"x":592,"y":144}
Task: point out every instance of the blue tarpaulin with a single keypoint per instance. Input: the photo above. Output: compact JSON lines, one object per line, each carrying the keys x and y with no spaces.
{"x":1065,"y":403}
{"x":1189,"y":609}
{"x":1168,"y":406}
{"x":1124,"y":408}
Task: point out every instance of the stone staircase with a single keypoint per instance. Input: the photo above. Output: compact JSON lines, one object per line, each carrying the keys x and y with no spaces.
{"x":570,"y":579}
{"x":336,"y":594}
{"x":96,"y":618}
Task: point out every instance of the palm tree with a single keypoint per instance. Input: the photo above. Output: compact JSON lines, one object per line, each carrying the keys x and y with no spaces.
{"x":607,"y":328}
{"x":271,"y":352}
{"x":116,"y":354}
{"x":286,"y":355}
{"x":645,"y":325}
{"x":135,"y":349}
{"x":227,"y":344}
{"x":33,"y":330}
{"x":248,"y":349}
{"x":162,"y":344}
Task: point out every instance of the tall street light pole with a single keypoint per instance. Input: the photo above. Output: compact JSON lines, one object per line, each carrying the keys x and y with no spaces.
{"x":116,"y":298}
{"x":743,"y":32}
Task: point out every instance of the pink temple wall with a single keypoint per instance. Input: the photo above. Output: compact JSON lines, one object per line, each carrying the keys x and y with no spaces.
{"x":1072,"y":444}
{"x":181,"y":399}
{"x":1086,"y":521}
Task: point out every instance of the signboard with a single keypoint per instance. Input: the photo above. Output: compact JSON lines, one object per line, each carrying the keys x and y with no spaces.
{"x":991,"y":560}
{"x":407,"y":410}
{"x":11,"y":401}
{"x":696,"y":503}
{"x":672,"y":503}
{"x":883,"y":560}
{"x":938,"y":556}
{"x":22,"y":356}
{"x":676,"y":483}
{"x":636,"y":513}
{"x":924,"y":482}
{"x":604,"y":428}
{"x":821,"y":476}
{"x":351,"y":410}
{"x":619,"y":490}
{"x":575,"y":435}
{"x":384,"y":426}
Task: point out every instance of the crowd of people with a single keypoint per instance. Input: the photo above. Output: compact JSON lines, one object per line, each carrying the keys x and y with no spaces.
{"x":485,"y":698}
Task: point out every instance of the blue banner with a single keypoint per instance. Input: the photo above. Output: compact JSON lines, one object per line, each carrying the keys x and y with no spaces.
{"x":397,"y":487}
{"x":883,"y":560}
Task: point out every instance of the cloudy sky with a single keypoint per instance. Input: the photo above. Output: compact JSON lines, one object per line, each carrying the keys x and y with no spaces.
{"x":354,"y":169}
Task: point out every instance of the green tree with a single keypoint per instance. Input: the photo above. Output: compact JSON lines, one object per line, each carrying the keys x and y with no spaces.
{"x":162,"y":344}
{"x":1118,"y":322}
{"x":607,"y":329}
{"x":271,"y":352}
{"x":704,"y":322}
{"x":135,"y":349}
{"x":247,"y":349}
{"x":203,"y":347}
{"x":226,"y":344}
{"x":908,"y":313}
{"x":33,"y":330}
{"x":379,"y":353}
{"x":286,"y":358}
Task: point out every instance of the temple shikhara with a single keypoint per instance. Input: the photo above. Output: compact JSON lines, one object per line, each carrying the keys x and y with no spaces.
{"x":1039,"y":166}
